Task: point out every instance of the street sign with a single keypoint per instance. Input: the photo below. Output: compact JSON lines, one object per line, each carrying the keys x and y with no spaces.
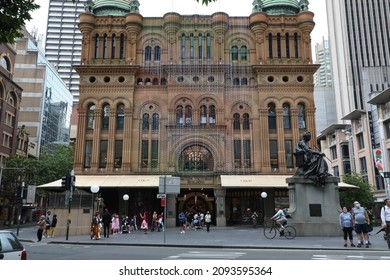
{"x":169,"y":184}
{"x":161,"y":195}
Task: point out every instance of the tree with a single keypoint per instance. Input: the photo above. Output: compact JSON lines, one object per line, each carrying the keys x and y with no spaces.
{"x":13,"y":15}
{"x":206,"y":2}
{"x":363,"y":194}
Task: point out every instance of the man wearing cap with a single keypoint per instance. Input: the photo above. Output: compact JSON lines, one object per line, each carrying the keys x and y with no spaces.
{"x":385,"y":218}
{"x":360,"y":221}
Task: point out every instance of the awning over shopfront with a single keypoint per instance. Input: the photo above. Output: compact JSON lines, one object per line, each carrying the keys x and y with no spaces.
{"x":110,"y":181}
{"x":262,"y":181}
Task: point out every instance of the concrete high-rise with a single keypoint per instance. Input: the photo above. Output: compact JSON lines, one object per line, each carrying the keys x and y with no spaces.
{"x":360,"y":51}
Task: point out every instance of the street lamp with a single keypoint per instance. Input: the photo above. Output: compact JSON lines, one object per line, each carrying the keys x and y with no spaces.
{"x":264,"y":196}
{"x":94,"y":189}
{"x":126,"y":198}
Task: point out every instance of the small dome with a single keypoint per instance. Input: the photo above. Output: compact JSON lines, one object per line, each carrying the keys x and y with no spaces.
{"x":114,"y":7}
{"x":277,"y":7}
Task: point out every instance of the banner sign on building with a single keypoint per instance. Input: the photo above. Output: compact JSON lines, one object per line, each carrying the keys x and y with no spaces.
{"x":378,"y":160}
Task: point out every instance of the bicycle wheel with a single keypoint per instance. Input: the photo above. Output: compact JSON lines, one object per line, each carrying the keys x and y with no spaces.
{"x":289,"y":232}
{"x":270,"y":232}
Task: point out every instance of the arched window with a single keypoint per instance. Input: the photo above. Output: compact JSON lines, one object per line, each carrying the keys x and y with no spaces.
{"x":179,"y":115}
{"x":91,"y":116}
{"x":196,"y":158}
{"x":105,"y":39}
{"x":96,"y":52}
{"x":155,"y":82}
{"x":147,"y":81}
{"x":245,"y":123}
{"x":234,"y":53}
{"x":183,"y":46}
{"x":157,"y":53}
{"x":279,"y":45}
{"x":11,"y":99}
{"x":163,"y":81}
{"x":208,"y":46}
{"x":236,"y":81}
{"x":236,"y":121}
{"x":287,"y":45}
{"x":140,"y":82}
{"x":122,"y":47}
{"x":188,"y":115}
{"x":191,"y":46}
{"x":200,"y":46}
{"x":113,"y":46}
{"x":212,"y":114}
{"x":244,"y":81}
{"x":270,"y":52}
{"x":203,"y":114}
{"x":155,"y":122}
{"x":301,"y":116}
{"x":106,"y":116}
{"x":244,"y":53}
{"x":286,"y":116}
{"x":4,"y":62}
{"x":145,"y":121}
{"x":296,"y":45}
{"x":271,"y":116}
{"x":120,"y":116}
{"x":148,"y":53}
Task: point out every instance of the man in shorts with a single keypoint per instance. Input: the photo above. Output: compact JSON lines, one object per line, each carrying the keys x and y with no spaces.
{"x":360,"y":221}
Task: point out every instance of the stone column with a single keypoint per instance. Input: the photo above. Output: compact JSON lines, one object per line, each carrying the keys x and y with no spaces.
{"x":315,"y":210}
{"x":170,"y":203}
{"x":220,"y":217}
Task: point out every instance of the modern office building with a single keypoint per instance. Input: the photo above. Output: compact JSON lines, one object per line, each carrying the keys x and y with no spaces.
{"x":323,"y":76}
{"x":360,"y":50}
{"x":218,"y":101}
{"x":63,"y":40}
{"x":46,"y":107}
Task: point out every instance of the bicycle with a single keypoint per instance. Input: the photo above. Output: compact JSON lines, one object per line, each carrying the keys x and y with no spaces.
{"x":270,"y":232}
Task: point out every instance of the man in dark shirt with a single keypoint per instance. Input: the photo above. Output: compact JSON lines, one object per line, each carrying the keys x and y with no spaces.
{"x":106,"y":220}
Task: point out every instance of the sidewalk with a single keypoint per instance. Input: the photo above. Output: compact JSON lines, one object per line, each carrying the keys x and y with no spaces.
{"x":218,"y":237}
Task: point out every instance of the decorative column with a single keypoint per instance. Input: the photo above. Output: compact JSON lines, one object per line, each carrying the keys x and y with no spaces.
{"x":96,"y":139}
{"x":80,"y":141}
{"x":111,"y":140}
{"x":264,"y":141}
{"x":220,"y":195}
{"x":126,"y":163}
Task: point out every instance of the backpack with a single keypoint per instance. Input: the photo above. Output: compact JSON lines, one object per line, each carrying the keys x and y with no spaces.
{"x":286,"y":214}
{"x":182,"y":216}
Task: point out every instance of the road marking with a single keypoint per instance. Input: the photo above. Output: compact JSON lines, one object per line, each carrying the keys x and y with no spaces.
{"x":349,"y":257}
{"x":207,"y":255}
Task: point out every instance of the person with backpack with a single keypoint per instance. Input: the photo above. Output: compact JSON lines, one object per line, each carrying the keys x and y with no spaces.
{"x":182,"y":222}
{"x":385,"y":219}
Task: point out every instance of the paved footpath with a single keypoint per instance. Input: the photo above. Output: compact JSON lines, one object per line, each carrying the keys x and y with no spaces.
{"x":218,"y":237}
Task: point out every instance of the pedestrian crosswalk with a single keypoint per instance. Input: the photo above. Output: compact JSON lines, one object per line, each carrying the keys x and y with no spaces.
{"x":349,"y":257}
{"x":208,"y":254}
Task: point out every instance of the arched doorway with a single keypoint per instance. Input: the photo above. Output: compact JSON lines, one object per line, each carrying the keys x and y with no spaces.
{"x":195,"y":202}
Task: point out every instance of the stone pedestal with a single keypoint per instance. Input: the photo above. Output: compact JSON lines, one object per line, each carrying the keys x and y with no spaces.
{"x":315,"y":210}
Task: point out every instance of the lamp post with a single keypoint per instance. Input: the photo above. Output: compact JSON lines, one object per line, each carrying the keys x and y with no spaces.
{"x":94,"y":189}
{"x":126,"y":198}
{"x":264,"y":196}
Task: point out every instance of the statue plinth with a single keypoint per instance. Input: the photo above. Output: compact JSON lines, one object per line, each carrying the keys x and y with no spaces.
{"x":315,"y":209}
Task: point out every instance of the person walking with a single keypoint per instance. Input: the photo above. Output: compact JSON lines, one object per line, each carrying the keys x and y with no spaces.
{"x":360,"y":221}
{"x":41,"y":226}
{"x":106,"y":220}
{"x":385,"y":219}
{"x":345,"y":221}
{"x":95,"y":226}
{"x":144,"y":223}
{"x":154,"y":221}
{"x":207,"y":219}
{"x":254,"y":219}
{"x":182,"y":222}
{"x":53,"y":225}
{"x":47,"y":225}
{"x":115,"y":224}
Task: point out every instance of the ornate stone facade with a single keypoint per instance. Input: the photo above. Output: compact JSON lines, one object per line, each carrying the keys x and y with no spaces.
{"x":194,"y":96}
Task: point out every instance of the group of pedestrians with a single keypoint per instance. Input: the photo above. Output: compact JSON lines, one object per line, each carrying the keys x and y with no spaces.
{"x":194,"y":221}
{"x":46,"y":226}
{"x":358,"y":219}
{"x":111,"y":224}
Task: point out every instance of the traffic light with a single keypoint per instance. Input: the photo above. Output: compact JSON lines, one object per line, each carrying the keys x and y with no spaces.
{"x":68,"y":182}
{"x":73,"y":182}
{"x":63,"y":183}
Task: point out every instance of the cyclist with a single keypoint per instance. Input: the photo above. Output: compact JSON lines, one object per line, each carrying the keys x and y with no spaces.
{"x":280,"y":218}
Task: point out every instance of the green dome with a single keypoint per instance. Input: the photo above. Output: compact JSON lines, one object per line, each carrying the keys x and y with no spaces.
{"x":277,"y":7}
{"x":114,"y":7}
